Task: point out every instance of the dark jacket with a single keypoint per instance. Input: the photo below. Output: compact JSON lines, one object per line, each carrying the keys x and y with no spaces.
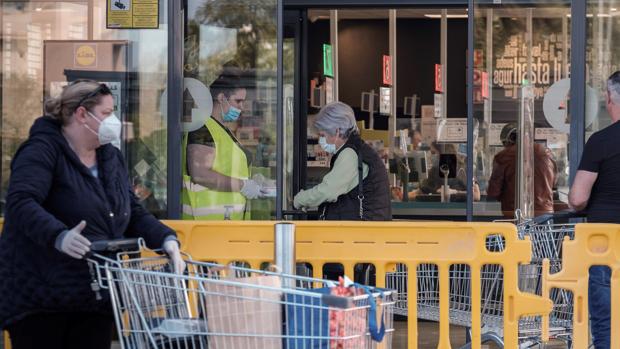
{"x":50,"y":190}
{"x":502,"y":184}
{"x":377,"y":205}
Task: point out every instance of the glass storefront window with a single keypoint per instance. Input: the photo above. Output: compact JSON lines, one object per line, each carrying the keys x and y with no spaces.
{"x":229,"y":107}
{"x":521,"y":87}
{"x":602,"y":57}
{"x":46,"y":44}
{"x":410,"y":108}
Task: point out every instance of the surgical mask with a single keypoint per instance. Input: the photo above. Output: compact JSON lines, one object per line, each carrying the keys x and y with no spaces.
{"x":109,"y":129}
{"x":328,"y":147}
{"x":232,"y":114}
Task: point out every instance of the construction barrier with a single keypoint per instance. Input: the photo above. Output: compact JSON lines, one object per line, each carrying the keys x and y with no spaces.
{"x":384,"y":244}
{"x":593,"y":245}
{"x":412,"y":244}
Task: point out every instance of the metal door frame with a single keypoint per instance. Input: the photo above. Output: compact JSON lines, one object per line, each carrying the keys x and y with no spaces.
{"x":175,"y":82}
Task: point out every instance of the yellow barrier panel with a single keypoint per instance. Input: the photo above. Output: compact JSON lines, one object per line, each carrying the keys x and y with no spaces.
{"x":594,"y":244}
{"x":384,"y":244}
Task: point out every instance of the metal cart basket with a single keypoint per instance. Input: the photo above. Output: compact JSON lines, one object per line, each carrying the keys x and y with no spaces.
{"x":546,"y":237}
{"x":216,"y":306}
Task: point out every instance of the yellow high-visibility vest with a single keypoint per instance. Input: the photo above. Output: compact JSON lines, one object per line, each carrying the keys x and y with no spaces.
{"x":202,"y":203}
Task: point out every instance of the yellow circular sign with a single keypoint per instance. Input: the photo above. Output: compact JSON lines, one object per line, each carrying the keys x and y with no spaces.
{"x":85,"y":55}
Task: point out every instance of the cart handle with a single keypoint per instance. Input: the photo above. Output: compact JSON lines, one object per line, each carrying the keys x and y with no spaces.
{"x":118,"y":245}
{"x":567,"y":214}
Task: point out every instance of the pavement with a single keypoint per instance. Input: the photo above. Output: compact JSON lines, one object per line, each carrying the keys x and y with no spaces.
{"x":428,"y":334}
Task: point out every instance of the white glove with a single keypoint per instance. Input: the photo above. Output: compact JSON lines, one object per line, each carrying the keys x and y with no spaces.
{"x":73,"y":243}
{"x":251,"y":189}
{"x":171,"y":247}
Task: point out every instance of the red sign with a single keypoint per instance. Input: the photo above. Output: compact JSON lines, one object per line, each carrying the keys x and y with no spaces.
{"x":438,"y":78}
{"x":387,"y":70}
{"x":485,"y":84}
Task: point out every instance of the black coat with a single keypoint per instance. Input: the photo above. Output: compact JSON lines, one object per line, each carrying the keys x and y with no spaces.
{"x":376,"y":204}
{"x":50,"y":190}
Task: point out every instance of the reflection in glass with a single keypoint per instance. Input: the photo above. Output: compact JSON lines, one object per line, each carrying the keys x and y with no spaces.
{"x":25,"y":27}
{"x":521,"y":81}
{"x":134,"y":65}
{"x":229,"y":144}
{"x":602,"y":59}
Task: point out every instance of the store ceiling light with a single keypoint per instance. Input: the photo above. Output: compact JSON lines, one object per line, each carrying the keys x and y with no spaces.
{"x":38,"y":9}
{"x":428,"y":15}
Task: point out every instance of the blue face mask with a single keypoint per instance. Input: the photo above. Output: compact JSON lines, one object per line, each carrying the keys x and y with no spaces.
{"x":232,"y":114}
{"x":329,"y":148}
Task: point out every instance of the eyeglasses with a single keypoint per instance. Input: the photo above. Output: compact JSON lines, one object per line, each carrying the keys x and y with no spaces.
{"x":102,"y":89}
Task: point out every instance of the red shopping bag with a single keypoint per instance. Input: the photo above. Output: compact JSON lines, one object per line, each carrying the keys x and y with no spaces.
{"x":347,"y":327}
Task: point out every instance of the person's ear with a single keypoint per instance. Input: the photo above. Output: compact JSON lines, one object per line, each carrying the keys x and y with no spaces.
{"x":80,"y":114}
{"x":221,"y":98}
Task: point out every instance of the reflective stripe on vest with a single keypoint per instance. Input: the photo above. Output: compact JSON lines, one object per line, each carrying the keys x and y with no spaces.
{"x":201,"y":203}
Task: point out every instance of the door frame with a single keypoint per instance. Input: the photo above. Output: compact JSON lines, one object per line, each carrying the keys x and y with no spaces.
{"x":175,"y":82}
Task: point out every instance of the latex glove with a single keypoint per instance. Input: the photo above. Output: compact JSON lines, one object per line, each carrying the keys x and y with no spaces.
{"x":264,"y":182}
{"x":171,"y":247}
{"x":251,"y":189}
{"x":73,"y":243}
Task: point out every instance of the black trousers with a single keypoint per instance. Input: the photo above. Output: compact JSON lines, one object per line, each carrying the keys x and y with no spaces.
{"x":70,"y":330}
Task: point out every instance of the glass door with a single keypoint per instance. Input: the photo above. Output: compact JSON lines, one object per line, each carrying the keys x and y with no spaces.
{"x":229,"y":109}
{"x":521,"y":101}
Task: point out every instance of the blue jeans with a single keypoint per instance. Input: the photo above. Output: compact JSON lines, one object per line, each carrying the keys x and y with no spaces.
{"x":599,"y":304}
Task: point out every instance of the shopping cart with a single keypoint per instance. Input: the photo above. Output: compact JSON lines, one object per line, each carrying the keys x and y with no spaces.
{"x":546,"y":235}
{"x":216,"y":306}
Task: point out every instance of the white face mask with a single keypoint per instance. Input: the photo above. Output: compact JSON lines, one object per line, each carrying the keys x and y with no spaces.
{"x":109,"y":129}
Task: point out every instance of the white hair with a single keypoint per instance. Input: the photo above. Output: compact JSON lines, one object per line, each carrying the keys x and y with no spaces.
{"x":337,"y":116}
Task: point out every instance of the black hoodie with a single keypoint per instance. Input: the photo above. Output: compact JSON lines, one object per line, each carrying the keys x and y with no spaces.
{"x":50,"y":190}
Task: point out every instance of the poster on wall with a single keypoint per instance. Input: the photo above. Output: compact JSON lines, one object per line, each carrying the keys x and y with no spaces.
{"x":452,"y":130}
{"x":495,"y":131}
{"x":438,"y":107}
{"x":387,"y":70}
{"x":385,"y":100}
{"x":132,"y":14}
{"x":428,"y":111}
{"x":428,"y":130}
{"x":553,"y":138}
{"x":438,"y":78}
{"x":329,"y":90}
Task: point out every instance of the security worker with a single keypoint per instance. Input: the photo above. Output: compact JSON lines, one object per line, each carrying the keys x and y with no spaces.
{"x":216,"y":182}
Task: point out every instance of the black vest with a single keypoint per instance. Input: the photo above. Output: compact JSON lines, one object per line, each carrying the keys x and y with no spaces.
{"x":376,"y":202}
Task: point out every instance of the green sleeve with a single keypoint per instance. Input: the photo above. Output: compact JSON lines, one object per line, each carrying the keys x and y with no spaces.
{"x":341,"y":179}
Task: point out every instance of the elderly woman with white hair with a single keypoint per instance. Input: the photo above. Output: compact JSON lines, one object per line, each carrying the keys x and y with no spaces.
{"x":356,"y":187}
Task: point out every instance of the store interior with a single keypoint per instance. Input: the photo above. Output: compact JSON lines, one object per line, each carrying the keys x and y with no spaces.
{"x":419,"y":56}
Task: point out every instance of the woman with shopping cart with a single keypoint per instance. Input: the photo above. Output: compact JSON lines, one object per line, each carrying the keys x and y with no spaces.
{"x":68,"y":189}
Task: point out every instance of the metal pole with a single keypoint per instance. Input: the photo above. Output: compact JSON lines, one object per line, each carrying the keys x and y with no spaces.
{"x":444,"y":62}
{"x":175,"y":110}
{"x":280,"y":114}
{"x":578,"y":84}
{"x":469,"y":209}
{"x":333,"y":23}
{"x":284,"y":251}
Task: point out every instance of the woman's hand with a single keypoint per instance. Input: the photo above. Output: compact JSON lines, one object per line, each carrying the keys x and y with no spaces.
{"x":171,"y":247}
{"x":72,"y":243}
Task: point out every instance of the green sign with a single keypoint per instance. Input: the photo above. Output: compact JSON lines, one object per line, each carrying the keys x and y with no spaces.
{"x":328,"y":66}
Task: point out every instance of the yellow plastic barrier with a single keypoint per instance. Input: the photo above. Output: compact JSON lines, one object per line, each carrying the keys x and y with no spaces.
{"x":594,"y":244}
{"x":384,"y":244}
